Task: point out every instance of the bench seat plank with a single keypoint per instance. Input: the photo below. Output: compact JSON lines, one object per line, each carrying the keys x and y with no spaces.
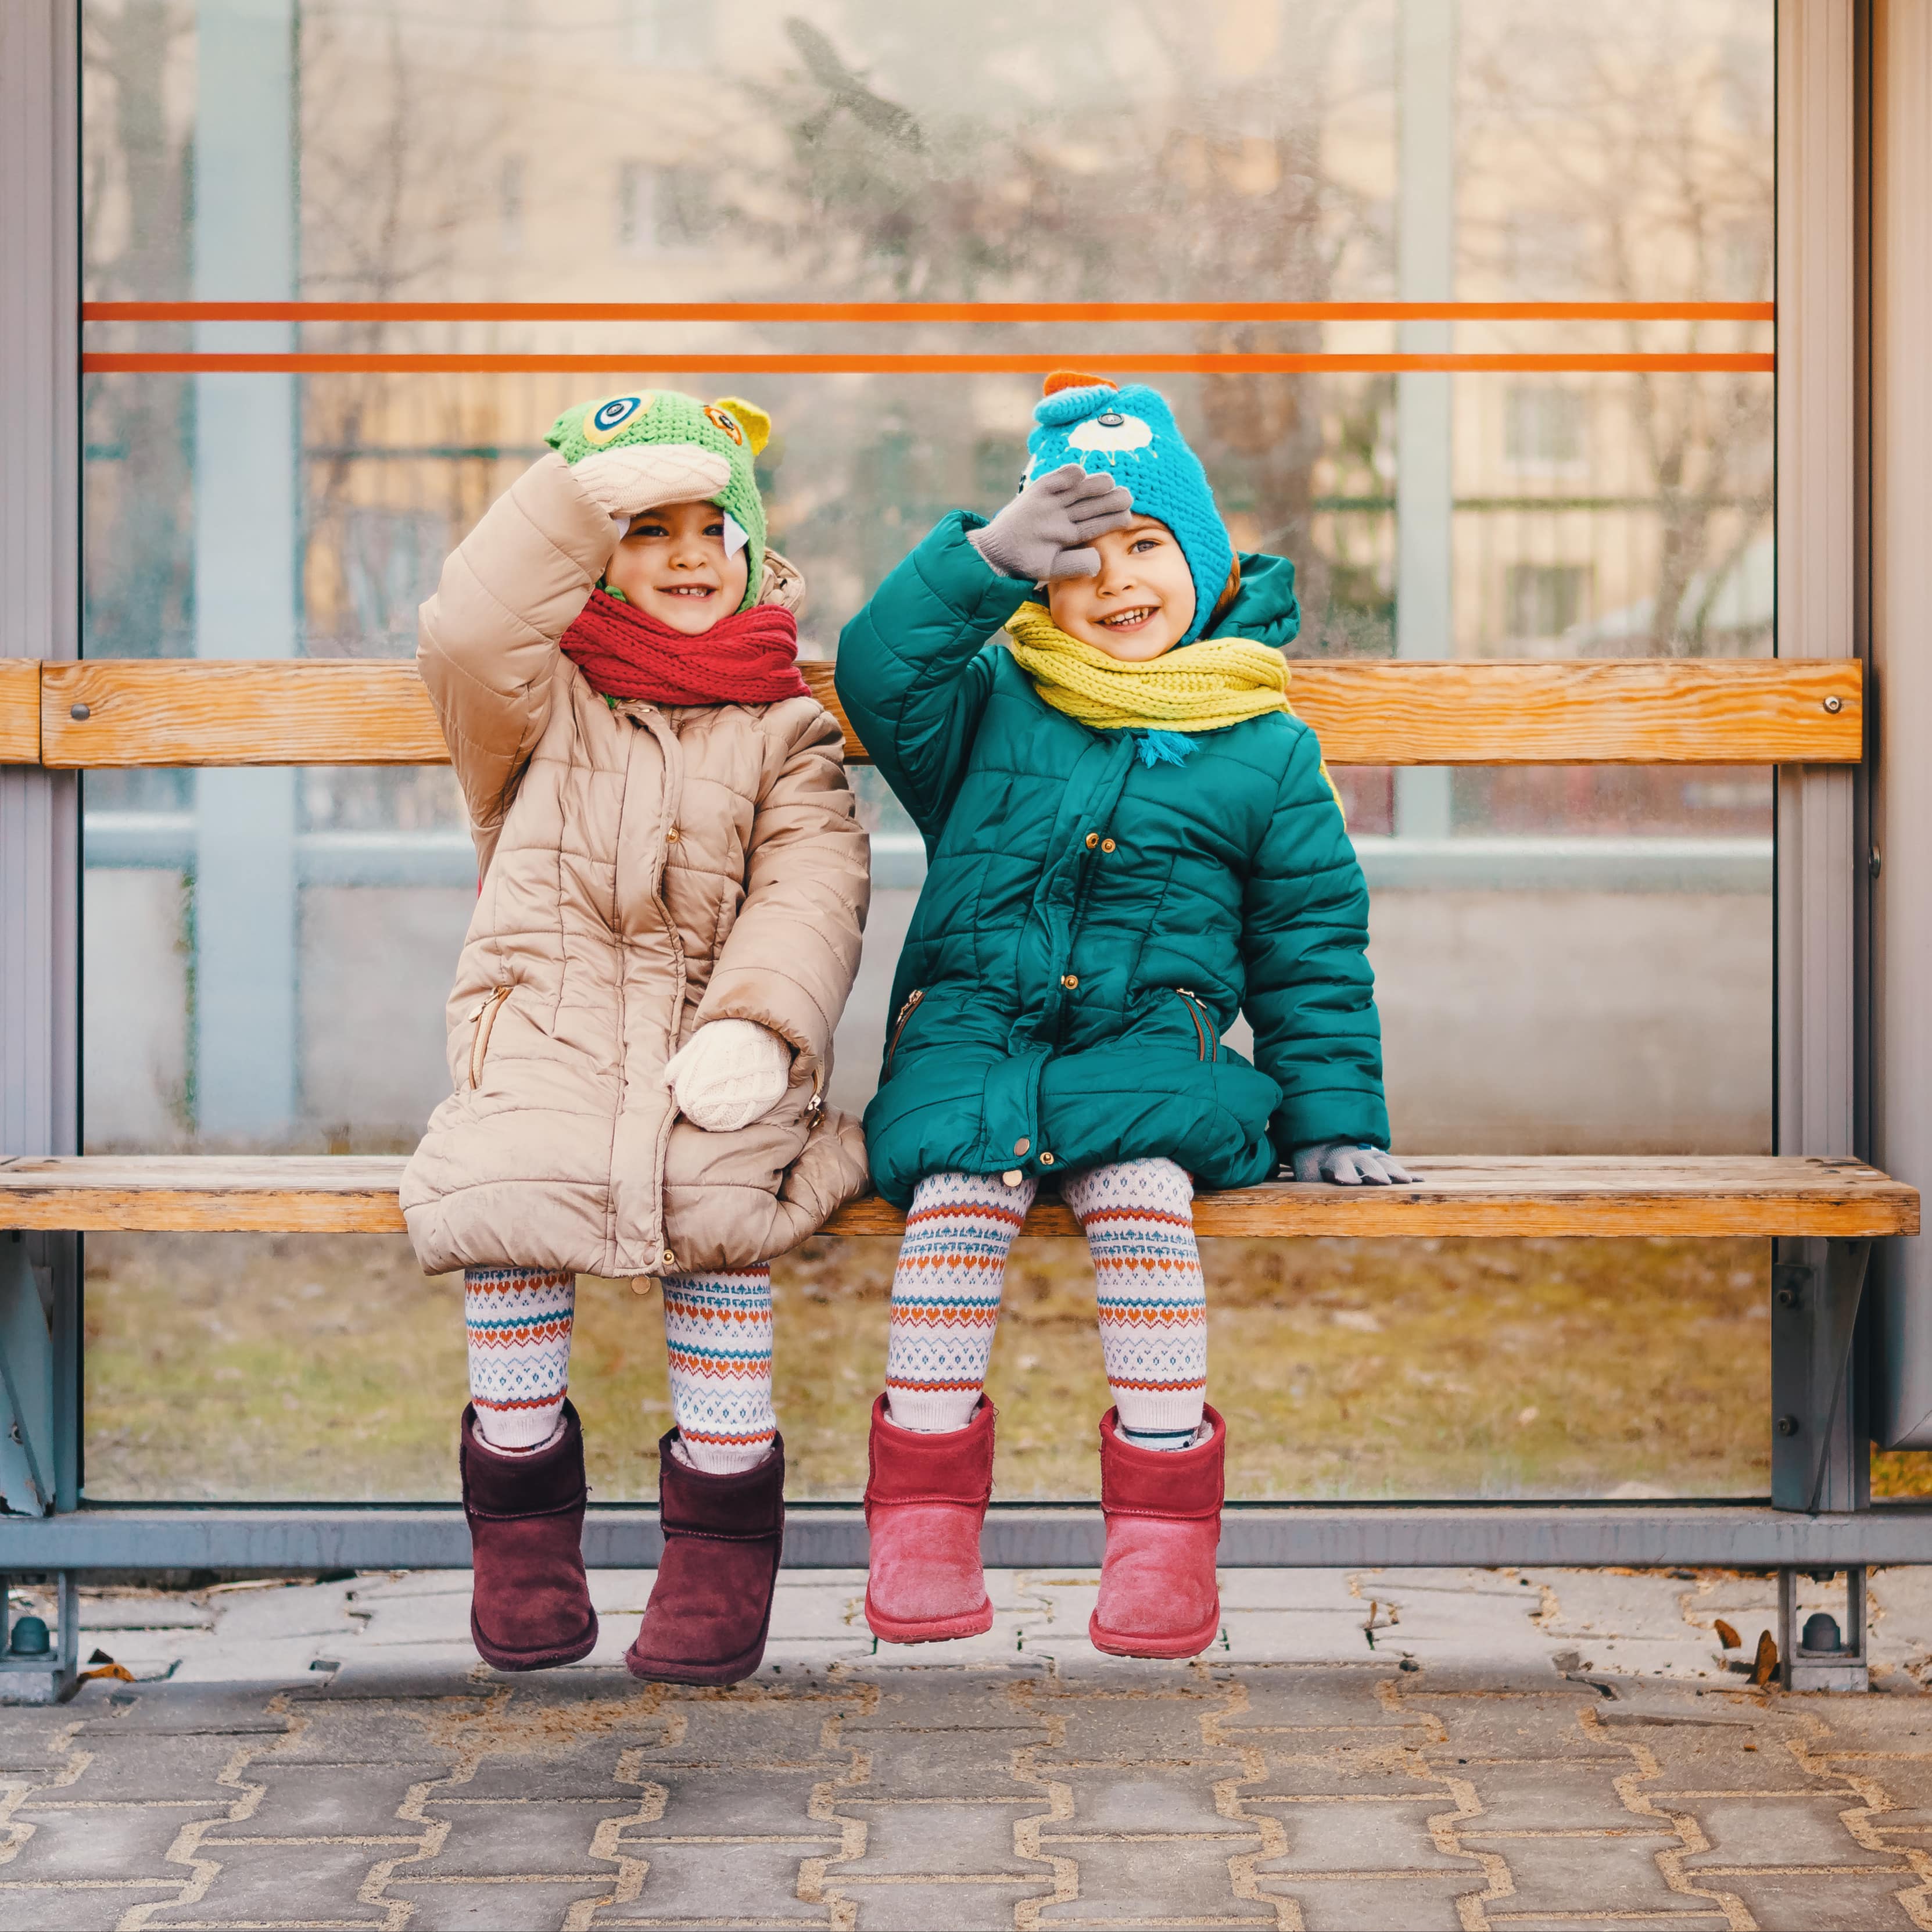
{"x":189,"y":712}
{"x":1495,"y":1196}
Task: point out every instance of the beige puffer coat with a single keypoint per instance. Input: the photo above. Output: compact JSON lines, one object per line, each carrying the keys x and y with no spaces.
{"x":644,"y":870}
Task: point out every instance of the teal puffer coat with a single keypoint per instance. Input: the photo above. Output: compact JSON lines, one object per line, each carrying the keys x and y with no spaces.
{"x":1090,"y":925}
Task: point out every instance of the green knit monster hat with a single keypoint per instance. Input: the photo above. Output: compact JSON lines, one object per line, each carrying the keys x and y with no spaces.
{"x":684,"y":428}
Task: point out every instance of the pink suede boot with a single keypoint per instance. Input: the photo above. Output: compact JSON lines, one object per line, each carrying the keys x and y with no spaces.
{"x":1158,"y":1597}
{"x":925,"y":1502}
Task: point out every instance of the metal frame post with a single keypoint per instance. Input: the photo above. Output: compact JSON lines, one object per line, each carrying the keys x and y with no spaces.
{"x":1819,"y":1447}
{"x":246,"y":507}
{"x":1900,"y":472}
{"x":39,"y":811}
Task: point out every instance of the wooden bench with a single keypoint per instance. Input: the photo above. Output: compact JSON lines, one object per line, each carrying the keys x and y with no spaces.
{"x":1545,"y":1196}
{"x":1823,"y":1213}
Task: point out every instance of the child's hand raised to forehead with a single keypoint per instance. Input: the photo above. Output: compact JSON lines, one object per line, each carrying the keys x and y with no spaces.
{"x":642,"y":476}
{"x":1047,"y":531}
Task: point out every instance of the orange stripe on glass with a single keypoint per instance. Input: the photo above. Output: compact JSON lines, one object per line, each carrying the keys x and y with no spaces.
{"x":102,"y":363}
{"x":887,"y":312}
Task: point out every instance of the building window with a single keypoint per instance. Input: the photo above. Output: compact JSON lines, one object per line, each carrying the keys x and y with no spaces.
{"x":662,"y":210}
{"x":510,"y":204}
{"x":1543,"y":427}
{"x":1544,"y":253}
{"x":1745,"y":81}
{"x":1544,"y":599}
{"x":1744,"y":261}
{"x":665,"y":33}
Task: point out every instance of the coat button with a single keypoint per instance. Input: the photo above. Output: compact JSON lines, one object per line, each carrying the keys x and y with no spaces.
{"x":1093,"y":839}
{"x":1106,"y":844}
{"x":1046,"y":1160}
{"x":1011,"y":1177}
{"x":672,"y":836}
{"x":1022,"y":1146}
{"x":1069,"y":980}
{"x":669,"y":1259}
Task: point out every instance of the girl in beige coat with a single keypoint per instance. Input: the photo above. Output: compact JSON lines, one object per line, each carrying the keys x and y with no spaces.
{"x":672,"y":886}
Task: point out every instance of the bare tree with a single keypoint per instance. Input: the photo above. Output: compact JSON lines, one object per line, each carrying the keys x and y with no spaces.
{"x":1653,"y":140}
{"x":1225,"y":193}
{"x":135,"y":161}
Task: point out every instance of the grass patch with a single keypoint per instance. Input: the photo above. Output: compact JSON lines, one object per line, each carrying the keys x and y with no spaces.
{"x":327,"y":1367}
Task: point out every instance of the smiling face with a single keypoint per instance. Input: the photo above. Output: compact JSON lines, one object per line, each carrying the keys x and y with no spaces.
{"x":1142,"y":603}
{"x":672,"y":565}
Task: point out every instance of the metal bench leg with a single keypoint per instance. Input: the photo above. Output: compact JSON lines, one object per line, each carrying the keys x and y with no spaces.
{"x":1820,"y":1447}
{"x":1837,"y":1658}
{"x":1820,"y":1450}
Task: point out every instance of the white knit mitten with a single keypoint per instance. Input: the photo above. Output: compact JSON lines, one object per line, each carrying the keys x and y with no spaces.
{"x":641,"y":476}
{"x":729,"y":1073}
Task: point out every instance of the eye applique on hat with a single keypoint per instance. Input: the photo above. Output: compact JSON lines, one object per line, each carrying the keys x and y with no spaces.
{"x":1111,"y":430}
{"x":605,"y":422}
{"x":743,"y":422}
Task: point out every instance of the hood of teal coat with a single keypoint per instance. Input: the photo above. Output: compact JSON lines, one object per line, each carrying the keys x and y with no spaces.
{"x":1265,"y":607}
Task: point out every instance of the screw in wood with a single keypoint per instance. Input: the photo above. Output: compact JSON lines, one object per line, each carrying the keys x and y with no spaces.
{"x":78,"y":712}
{"x":1834,"y":705}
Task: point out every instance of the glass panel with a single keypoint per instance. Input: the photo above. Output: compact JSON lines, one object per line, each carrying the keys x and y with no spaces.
{"x":325,"y":1368}
{"x":1570,"y":960}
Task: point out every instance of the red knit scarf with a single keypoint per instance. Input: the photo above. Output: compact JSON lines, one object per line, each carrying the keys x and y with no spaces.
{"x":749,"y":657}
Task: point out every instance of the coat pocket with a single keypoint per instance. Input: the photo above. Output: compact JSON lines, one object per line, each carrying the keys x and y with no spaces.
{"x":905,"y":1013}
{"x":483,"y":1022}
{"x":1206,"y":1034}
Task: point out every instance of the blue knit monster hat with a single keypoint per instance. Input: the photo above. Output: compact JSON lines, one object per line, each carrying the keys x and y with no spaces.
{"x":1131,"y":433}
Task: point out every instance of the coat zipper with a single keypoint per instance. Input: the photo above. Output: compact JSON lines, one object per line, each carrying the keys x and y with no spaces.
{"x":1204,"y":1032}
{"x":912,"y":999}
{"x":484,"y":1020}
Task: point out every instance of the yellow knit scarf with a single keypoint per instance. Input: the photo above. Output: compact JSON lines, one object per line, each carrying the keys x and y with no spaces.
{"x":1201,"y":687}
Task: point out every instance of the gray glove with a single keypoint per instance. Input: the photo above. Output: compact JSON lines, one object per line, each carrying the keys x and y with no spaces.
{"x":1349,"y":1164}
{"x":1046,"y":531}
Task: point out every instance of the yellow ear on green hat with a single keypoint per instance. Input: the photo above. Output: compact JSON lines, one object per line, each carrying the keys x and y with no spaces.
{"x":756,"y":425}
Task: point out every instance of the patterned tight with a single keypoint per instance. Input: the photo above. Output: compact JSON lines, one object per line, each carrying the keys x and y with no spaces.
{"x":1138,"y":1216}
{"x":718,"y":1333}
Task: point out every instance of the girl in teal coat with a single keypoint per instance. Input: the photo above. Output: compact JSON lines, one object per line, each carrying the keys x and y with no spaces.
{"x":1130,"y":840}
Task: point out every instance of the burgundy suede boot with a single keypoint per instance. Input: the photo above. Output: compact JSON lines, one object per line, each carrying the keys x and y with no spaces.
{"x":1158,"y":1597}
{"x":711,"y":1605}
{"x":529,"y":1604}
{"x":924,"y":1503}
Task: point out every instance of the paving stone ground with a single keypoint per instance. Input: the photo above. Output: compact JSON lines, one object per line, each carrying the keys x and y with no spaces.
{"x":1534,"y":1751}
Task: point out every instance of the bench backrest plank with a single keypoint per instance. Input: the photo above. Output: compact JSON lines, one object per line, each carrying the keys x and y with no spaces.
{"x":1553,"y":1196}
{"x":19,"y":711}
{"x":107,"y":712}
